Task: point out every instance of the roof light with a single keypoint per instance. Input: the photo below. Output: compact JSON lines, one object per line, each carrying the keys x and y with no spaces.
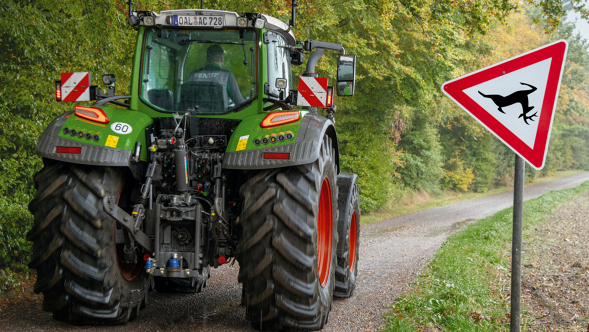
{"x":91,"y":113}
{"x":148,"y":20}
{"x":242,"y":22}
{"x":259,"y":23}
{"x":108,"y":79}
{"x":329,"y":102}
{"x":58,"y":90}
{"x":281,"y":83}
{"x":280,"y":118}
{"x":272,"y":155}
{"x":68,"y":149}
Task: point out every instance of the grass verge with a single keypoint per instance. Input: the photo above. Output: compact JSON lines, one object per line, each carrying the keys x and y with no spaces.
{"x":419,"y":202}
{"x":465,"y":287}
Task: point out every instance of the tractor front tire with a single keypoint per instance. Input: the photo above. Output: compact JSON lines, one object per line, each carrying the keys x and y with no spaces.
{"x":346,"y":271}
{"x":288,"y":254}
{"x":75,"y":251}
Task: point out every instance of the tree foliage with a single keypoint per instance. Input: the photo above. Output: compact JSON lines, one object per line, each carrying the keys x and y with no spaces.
{"x":398,"y":132}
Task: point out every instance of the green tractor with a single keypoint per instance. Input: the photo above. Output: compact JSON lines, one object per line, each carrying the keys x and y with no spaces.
{"x":212,"y":159}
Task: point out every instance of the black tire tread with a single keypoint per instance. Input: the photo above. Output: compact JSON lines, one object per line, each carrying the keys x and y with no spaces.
{"x":278,"y":264}
{"x":73,"y":245}
{"x":345,"y":280}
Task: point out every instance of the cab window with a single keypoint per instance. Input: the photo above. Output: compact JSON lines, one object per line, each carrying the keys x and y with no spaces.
{"x":278,"y":62}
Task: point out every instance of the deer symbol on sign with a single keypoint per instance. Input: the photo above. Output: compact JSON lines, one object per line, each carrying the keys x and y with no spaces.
{"x":514,"y":98}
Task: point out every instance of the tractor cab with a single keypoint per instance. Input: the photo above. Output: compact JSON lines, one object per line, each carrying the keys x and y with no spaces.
{"x":212,"y":62}
{"x":207,"y":61}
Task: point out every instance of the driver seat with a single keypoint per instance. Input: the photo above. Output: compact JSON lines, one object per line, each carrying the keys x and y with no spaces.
{"x":208,"y":96}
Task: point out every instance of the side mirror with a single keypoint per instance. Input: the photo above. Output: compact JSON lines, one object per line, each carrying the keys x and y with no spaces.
{"x":346,"y":75}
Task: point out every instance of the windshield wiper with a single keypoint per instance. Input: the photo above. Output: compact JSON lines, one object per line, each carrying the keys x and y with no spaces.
{"x":210,"y":42}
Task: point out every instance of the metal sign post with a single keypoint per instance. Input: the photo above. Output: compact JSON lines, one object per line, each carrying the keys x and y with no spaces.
{"x":516,"y":242}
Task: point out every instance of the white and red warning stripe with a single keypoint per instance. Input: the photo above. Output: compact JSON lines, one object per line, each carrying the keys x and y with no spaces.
{"x":75,"y":86}
{"x":312,"y":91}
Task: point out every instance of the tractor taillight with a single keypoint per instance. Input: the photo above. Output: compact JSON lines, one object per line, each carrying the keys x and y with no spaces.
{"x":329,"y":102}
{"x":273,"y":155}
{"x":58,"y":90}
{"x":91,"y":113}
{"x":68,"y":149}
{"x":280,"y":118}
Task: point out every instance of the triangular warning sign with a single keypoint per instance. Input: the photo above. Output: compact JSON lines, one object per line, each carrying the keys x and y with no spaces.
{"x":515,"y":99}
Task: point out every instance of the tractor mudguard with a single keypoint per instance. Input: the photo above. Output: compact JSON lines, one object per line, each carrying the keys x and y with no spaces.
{"x":101,"y":144}
{"x":308,"y":136}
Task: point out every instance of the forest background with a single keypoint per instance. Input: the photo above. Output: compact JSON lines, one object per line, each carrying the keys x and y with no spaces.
{"x":398,"y":133}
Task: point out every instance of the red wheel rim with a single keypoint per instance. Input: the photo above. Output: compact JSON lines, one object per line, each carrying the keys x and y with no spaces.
{"x":324,"y":233}
{"x":129,"y":271}
{"x":353,"y":235}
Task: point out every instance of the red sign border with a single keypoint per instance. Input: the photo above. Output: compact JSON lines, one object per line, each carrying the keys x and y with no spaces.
{"x":536,"y":157}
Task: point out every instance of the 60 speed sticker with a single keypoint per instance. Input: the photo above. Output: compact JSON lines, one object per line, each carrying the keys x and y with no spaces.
{"x":121,"y":128}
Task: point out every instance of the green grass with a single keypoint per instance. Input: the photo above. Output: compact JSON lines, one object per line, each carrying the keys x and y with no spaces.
{"x":464,"y":287}
{"x":416,"y":204}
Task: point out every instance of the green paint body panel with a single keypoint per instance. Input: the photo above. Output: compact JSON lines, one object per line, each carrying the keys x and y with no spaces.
{"x":137,"y":120}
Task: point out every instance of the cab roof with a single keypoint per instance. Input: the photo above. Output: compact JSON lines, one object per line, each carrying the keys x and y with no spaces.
{"x":229,"y":20}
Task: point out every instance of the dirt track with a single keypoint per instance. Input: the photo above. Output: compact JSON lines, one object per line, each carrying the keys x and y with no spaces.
{"x":392,"y":253}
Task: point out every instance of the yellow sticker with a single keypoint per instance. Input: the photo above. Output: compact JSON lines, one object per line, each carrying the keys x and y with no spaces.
{"x":112,"y":141}
{"x":242,"y":143}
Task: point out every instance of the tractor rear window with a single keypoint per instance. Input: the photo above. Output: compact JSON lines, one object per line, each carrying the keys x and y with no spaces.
{"x":199,"y":71}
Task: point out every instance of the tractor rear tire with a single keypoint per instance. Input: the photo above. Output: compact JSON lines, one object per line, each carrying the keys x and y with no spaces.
{"x":346,"y":271}
{"x":288,"y":254}
{"x":74,"y":247}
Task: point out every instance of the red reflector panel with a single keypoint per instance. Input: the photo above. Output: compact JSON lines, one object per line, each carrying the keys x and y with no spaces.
{"x":329,"y":96}
{"x":58,"y":90}
{"x":91,"y":113}
{"x":272,"y":155}
{"x":280,"y":118}
{"x":67,"y":149}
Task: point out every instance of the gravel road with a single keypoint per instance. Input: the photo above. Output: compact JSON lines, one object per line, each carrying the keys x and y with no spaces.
{"x":392,"y":253}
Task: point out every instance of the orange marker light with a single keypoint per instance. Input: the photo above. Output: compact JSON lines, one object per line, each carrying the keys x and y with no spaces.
{"x":329,"y":96}
{"x":58,"y":90}
{"x":280,"y":118}
{"x":91,"y":113}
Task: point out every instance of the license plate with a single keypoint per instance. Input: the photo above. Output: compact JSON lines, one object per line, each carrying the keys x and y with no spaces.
{"x":198,"y":21}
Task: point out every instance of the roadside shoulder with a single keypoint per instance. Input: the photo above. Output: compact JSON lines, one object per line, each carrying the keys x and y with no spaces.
{"x":467,"y":282}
